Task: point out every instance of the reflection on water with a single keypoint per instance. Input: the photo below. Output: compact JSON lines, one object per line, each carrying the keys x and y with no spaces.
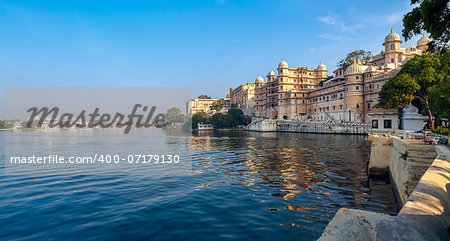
{"x":243,"y":185}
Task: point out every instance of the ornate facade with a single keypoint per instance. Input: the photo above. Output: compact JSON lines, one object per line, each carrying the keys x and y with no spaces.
{"x":295,"y":92}
{"x":244,"y":97}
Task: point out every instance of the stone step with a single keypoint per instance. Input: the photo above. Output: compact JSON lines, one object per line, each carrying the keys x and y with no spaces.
{"x":421,"y":154}
{"x":410,"y":187}
{"x":415,"y":176}
{"x":417,"y":167}
{"x":420,"y":160}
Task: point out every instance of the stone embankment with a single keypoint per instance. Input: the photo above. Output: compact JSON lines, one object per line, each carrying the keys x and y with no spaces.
{"x":326,"y":127}
{"x":421,"y":176}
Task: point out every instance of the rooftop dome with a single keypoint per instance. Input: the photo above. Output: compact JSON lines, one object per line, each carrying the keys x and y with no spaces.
{"x":321,"y":66}
{"x":355,"y":68}
{"x":259,"y":79}
{"x":423,"y":41}
{"x":370,"y":69}
{"x":283,"y":64}
{"x":271,"y":73}
{"x":392,"y":36}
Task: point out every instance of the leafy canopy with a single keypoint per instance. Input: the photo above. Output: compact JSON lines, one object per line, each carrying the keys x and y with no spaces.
{"x":432,"y":16}
{"x":360,"y":55}
{"x":216,"y":106}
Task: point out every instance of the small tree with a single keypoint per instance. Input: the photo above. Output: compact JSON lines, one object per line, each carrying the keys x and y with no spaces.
{"x":216,"y":106}
{"x":204,"y":97}
{"x":2,"y":124}
{"x":174,"y":115}
{"x":360,"y":55}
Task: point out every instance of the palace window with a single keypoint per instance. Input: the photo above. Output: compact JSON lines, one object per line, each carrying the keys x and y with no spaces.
{"x":340,"y":107}
{"x":392,"y":46}
{"x":392,"y":60}
{"x":387,"y":124}
{"x":357,"y":106}
{"x":357,"y":77}
{"x":375,"y":124}
{"x":368,"y":105}
{"x":357,"y":87}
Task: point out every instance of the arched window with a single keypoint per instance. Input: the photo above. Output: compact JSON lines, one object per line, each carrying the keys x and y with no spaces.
{"x":392,"y":46}
{"x":357,"y":106}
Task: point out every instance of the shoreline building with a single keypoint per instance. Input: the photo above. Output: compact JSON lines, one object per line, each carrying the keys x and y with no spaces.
{"x":197,"y":105}
{"x":295,"y":94}
{"x":244,"y":97}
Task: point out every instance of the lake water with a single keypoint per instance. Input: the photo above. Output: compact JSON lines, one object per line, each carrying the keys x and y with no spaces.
{"x":234,"y":185}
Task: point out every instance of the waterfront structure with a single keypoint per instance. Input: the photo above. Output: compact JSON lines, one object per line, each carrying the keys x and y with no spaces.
{"x":198,"y":105}
{"x":384,"y":119}
{"x":294,"y":93}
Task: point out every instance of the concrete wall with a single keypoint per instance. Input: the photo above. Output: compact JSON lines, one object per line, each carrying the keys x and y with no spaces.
{"x":330,"y":127}
{"x":380,"y":153}
{"x":409,"y":161}
{"x":425,"y":215}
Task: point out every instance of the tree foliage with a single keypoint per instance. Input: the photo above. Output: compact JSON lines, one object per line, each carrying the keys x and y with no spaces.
{"x":424,"y":77}
{"x":216,"y":106}
{"x":200,"y":117}
{"x":204,"y":97}
{"x":220,"y":120}
{"x":174,"y":115}
{"x":2,"y":124}
{"x":238,"y":115}
{"x":432,"y":16}
{"x":360,"y":55}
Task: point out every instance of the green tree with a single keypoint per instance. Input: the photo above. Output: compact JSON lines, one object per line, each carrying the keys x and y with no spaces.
{"x":200,"y":117}
{"x":174,"y":115}
{"x":421,"y":78}
{"x":398,"y":92}
{"x":216,"y":106}
{"x":440,"y":100}
{"x":238,"y":115}
{"x":432,"y":16}
{"x":204,"y":97}
{"x":220,"y":120}
{"x":2,"y":124}
{"x":233,"y":106}
{"x":360,"y":55}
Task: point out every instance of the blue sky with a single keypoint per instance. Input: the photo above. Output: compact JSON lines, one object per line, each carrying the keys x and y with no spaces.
{"x":210,"y":45}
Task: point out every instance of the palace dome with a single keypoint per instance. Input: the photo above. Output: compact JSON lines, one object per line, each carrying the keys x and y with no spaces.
{"x":283,"y":64}
{"x":370,"y":69}
{"x":259,"y":79}
{"x":392,"y":36}
{"x":423,"y":41}
{"x":271,"y":73}
{"x":355,"y":68}
{"x":321,"y":66}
